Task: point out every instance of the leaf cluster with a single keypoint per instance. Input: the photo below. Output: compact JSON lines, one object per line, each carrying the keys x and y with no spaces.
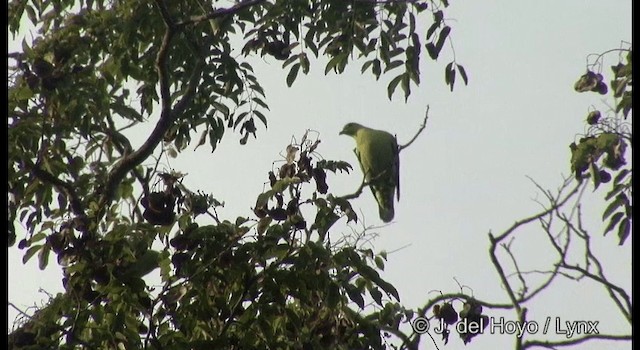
{"x":602,"y":151}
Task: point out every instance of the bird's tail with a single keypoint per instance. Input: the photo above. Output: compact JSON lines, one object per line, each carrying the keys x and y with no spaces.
{"x":386,"y":214}
{"x":384,"y":197}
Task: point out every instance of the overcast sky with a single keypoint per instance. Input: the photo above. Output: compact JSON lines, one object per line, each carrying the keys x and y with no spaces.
{"x":464,"y":176}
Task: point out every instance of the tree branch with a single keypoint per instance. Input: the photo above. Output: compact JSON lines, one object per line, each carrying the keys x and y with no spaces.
{"x":167,"y":115}
{"x":538,"y":216}
{"x":219,"y":13}
{"x":422,"y":126}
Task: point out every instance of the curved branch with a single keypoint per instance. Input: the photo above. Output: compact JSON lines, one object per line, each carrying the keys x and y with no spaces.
{"x":422,"y":127}
{"x":62,"y":186}
{"x":496,"y":240}
{"x":538,"y":216}
{"x":167,"y":114}
{"x":608,"y":285}
{"x":219,"y":13}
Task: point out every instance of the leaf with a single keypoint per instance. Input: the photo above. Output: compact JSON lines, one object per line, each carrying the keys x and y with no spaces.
{"x":433,"y":27}
{"x":246,"y":66}
{"x":304,"y":62}
{"x":30,"y":253}
{"x":412,"y":23}
{"x":290,"y":60}
{"x":31,"y":14}
{"x":612,"y":223}
{"x":621,"y":175}
{"x":389,"y":288}
{"x":444,"y":33}
{"x":595,"y":175}
{"x":463,"y":74}
{"x":220,"y":107}
{"x":126,"y":112}
{"x":325,"y":218}
{"x":260,"y":116}
{"x":395,"y":52}
{"x":405,"y":86}
{"x":623,"y":230}
{"x":43,"y":257}
{"x":260,"y":102}
{"x":447,"y":73}
{"x":293,"y":73}
{"x":432,"y":51}
{"x":37,"y":237}
{"x":203,"y":138}
{"x":379,"y":262}
{"x":620,"y":199}
{"x":239,"y":118}
{"x":283,"y":184}
{"x":335,"y":62}
{"x":452,"y":78}
{"x":376,"y":294}
{"x":366,"y":66}
{"x":392,"y":85}
{"x":392,"y":65}
{"x":376,"y":69}
{"x":263,"y":199}
{"x":355,"y":295}
{"x":367,"y":272}
{"x":617,"y":188}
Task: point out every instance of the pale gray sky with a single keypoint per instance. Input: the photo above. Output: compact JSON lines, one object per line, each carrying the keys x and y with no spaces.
{"x":464,"y":176}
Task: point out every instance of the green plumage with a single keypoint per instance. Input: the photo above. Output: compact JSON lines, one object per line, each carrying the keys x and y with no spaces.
{"x":377,"y":152}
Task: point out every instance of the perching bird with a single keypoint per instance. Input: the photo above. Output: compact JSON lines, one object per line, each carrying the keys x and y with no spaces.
{"x":378,"y":154}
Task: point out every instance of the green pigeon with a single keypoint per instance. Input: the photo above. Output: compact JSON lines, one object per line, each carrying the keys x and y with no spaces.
{"x":378,"y":154}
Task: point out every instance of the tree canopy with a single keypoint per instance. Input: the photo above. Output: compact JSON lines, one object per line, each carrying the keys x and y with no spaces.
{"x":272,"y":278}
{"x":267,"y":280}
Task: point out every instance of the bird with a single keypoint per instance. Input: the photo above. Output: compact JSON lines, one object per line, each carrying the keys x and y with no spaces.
{"x":378,"y":155}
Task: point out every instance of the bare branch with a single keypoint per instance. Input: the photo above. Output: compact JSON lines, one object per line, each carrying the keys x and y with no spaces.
{"x":507,"y":248}
{"x":610,"y":287}
{"x":538,"y":216}
{"x":571,"y":227}
{"x":422,"y":126}
{"x":19,"y":311}
{"x":503,"y":278}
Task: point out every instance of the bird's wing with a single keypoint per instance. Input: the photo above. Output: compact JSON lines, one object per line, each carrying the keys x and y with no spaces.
{"x":379,"y":161}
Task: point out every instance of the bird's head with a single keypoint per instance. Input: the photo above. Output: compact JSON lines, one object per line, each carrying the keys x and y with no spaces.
{"x":351,"y":129}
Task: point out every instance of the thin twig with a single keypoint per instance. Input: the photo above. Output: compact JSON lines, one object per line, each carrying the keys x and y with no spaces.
{"x":422,"y":127}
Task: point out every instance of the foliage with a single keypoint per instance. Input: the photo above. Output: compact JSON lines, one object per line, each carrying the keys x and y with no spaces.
{"x":602,"y":150}
{"x":95,"y":69}
{"x":272,"y":280}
